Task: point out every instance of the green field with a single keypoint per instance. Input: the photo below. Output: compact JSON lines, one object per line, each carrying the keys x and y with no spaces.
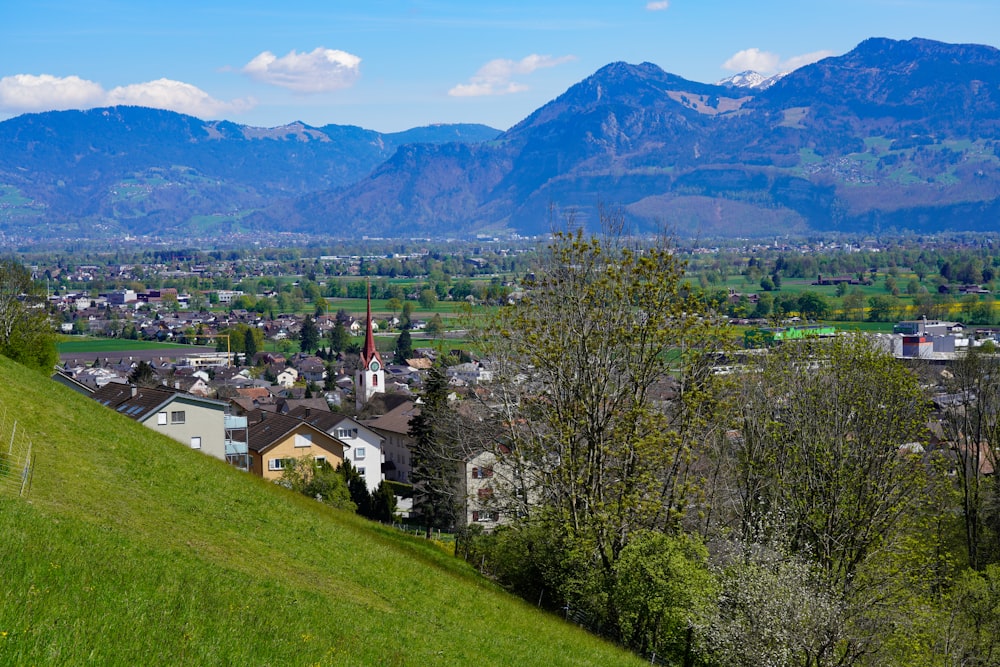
{"x":77,"y":345}
{"x":132,"y":549}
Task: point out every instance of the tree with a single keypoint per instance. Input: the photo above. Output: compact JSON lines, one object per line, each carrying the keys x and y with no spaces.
{"x":404,"y":347}
{"x":663,"y":589}
{"x":971,"y":423}
{"x":26,"y":333}
{"x":393,"y":305}
{"x":881,"y":308}
{"x":383,"y":503}
{"x":773,"y":609}
{"x":603,"y":333}
{"x":854,"y":305}
{"x":822,"y":427}
{"x":143,"y":375}
{"x":428,"y":299}
{"x":308,"y":335}
{"x":436,"y":458}
{"x":357,"y":487}
{"x":318,"y":480}
{"x":435,"y":326}
{"x":339,"y":339}
{"x":812,"y":306}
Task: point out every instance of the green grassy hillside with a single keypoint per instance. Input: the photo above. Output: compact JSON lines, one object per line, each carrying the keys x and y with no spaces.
{"x":133,"y":549}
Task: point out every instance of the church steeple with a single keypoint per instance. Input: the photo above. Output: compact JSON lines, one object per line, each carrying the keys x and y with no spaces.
{"x":370,"y":352}
{"x":369,"y":378}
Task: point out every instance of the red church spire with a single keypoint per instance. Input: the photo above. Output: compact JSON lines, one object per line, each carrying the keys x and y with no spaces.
{"x":369,"y":352}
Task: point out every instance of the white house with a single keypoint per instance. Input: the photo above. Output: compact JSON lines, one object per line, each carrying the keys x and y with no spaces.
{"x":364,"y":444}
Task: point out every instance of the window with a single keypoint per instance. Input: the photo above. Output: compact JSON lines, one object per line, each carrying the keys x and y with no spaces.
{"x":196,"y":442}
{"x":177,"y":417}
{"x":485,"y":493}
{"x":161,"y":419}
{"x":361,"y":471}
{"x":303,"y":440}
{"x":280,"y":464}
{"x":482,"y":473}
{"x":359,"y":454}
{"x":320,"y":461}
{"x":485,"y":515}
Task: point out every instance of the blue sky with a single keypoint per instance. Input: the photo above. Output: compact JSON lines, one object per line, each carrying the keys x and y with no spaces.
{"x":389,"y":65}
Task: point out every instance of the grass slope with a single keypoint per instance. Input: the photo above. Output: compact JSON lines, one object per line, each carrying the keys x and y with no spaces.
{"x":133,"y":549}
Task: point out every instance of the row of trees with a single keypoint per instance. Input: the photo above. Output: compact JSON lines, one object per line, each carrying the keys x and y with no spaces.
{"x":793,"y":513}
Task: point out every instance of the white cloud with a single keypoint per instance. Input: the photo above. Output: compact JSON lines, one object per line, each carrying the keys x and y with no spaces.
{"x":496,"y":76}
{"x":175,"y":96}
{"x":24,"y":93}
{"x":320,"y":71}
{"x":657,"y":5}
{"x":753,"y":59}
{"x":766,"y":62}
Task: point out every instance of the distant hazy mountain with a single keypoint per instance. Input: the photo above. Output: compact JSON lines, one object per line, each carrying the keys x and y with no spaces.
{"x":145,"y":171}
{"x":890,"y":135}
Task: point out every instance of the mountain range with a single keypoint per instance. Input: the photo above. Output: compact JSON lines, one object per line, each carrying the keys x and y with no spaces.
{"x":892,"y":135}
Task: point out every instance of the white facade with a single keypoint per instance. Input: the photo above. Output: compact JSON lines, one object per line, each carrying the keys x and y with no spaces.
{"x":364,"y":450}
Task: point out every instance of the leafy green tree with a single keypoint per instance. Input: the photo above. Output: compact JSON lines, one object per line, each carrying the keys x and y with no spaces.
{"x":435,"y":326}
{"x":971,"y":423}
{"x":603,"y":459}
{"x":405,"y":315}
{"x":812,"y":306}
{"x":822,"y":431}
{"x":428,"y":299}
{"x":663,"y":590}
{"x":318,"y":480}
{"x":26,"y":333}
{"x":393,"y":305}
{"x":881,"y":308}
{"x":339,"y":338}
{"x":854,"y":305}
{"x":974,"y":633}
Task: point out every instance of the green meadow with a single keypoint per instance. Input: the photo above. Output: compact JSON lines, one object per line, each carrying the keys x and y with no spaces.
{"x":131,"y":549}
{"x":80,"y":345}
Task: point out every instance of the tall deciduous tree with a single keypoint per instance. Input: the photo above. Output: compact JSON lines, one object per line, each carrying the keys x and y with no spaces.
{"x":823,"y":433}
{"x":971,"y":424}
{"x":26,"y":333}
{"x":601,"y":393}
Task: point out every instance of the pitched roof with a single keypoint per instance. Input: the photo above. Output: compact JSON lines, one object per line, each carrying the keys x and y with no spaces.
{"x":140,"y":402}
{"x":253,"y":392}
{"x":275,"y":427}
{"x":321,"y":419}
{"x":396,"y":420}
